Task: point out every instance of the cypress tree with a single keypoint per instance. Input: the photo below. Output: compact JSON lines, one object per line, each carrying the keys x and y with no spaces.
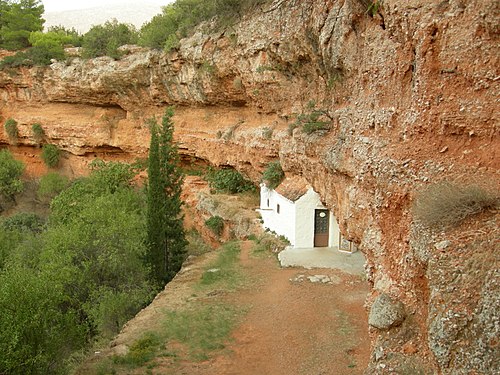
{"x":165,"y":231}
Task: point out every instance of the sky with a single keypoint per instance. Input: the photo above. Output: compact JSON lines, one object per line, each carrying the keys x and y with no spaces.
{"x":60,"y":5}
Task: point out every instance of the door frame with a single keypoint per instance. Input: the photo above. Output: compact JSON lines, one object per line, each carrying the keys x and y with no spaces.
{"x":321,"y":239}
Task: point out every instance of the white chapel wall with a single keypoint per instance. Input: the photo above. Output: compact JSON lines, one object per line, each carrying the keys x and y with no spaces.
{"x":283,"y":223}
{"x":295,"y":220}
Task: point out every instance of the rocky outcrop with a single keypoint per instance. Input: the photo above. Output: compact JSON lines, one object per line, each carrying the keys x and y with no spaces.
{"x":386,"y":313}
{"x":410,"y":97}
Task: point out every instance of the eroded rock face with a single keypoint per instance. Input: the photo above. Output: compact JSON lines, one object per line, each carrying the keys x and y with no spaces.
{"x":386,"y":312}
{"x":411,"y":94}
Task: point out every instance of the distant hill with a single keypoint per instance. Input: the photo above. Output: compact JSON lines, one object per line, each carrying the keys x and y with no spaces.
{"x":83,"y":19}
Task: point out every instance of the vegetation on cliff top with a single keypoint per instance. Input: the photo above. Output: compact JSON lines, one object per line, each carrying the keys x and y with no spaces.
{"x":17,"y":20}
{"x":179,"y":19}
{"x":21,"y":26}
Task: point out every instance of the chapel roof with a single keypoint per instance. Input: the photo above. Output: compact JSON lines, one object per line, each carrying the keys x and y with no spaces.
{"x":293,"y":188}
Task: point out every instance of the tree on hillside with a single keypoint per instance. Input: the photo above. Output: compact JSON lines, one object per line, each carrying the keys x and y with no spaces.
{"x":17,"y":20}
{"x":166,"y":240}
{"x":10,"y":175}
{"x":104,"y":40}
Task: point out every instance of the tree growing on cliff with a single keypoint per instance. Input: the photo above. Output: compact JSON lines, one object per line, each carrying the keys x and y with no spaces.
{"x":51,"y":155}
{"x":166,"y":239}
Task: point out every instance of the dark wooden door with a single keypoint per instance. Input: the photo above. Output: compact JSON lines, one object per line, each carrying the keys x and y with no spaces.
{"x":321,"y":228}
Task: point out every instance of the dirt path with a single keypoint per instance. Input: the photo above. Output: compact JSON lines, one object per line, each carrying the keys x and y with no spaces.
{"x":294,"y":327}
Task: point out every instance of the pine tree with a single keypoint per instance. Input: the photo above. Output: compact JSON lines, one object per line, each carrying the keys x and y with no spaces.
{"x":17,"y":20}
{"x":165,"y":232}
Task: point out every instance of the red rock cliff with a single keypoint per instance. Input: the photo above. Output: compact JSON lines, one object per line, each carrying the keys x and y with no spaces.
{"x":411,"y":95}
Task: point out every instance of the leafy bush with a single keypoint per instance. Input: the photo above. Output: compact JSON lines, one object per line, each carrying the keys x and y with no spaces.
{"x":46,"y":46}
{"x":314,"y":121}
{"x":311,"y":121}
{"x":24,"y":221}
{"x":56,"y":37}
{"x":447,"y":203}
{"x":215,"y":224}
{"x":105,"y":178}
{"x":110,"y":309}
{"x":70,"y":37}
{"x":39,"y":55}
{"x":111,"y":175}
{"x":268,"y":242}
{"x":10,"y":173}
{"x":52,"y":184}
{"x":104,"y":40}
{"x":179,"y":19}
{"x":196,"y":246}
{"x":38,"y":132}
{"x":39,"y":326}
{"x":228,"y":181}
{"x":273,"y":175}
{"x":81,"y":277}
{"x":11,"y":129}
{"x":51,"y":155}
{"x":141,"y":351}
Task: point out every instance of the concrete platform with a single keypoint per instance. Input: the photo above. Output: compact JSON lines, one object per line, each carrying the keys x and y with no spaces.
{"x":323,"y":257}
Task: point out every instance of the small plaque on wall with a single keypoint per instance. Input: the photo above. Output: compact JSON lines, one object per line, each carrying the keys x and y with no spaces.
{"x":346,"y":245}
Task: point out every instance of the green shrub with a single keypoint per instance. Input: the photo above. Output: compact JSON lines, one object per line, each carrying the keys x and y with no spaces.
{"x":69,"y":36}
{"x":34,"y":56}
{"x":196,"y":244}
{"x":273,"y":175}
{"x":447,"y":203}
{"x":11,"y":130}
{"x":268,"y":242}
{"x":38,"y":132}
{"x":52,"y":184}
{"x":51,"y":155}
{"x":267,"y":133}
{"x":228,"y":181}
{"x":141,"y":351}
{"x":24,"y":221}
{"x":10,"y":173}
{"x":109,"y":309}
{"x":104,"y":40}
{"x":111,"y":175}
{"x":311,"y":121}
{"x":56,"y":38}
{"x":179,"y":20}
{"x":215,"y":224}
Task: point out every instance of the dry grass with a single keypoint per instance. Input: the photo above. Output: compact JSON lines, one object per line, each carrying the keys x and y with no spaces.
{"x":447,"y":203}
